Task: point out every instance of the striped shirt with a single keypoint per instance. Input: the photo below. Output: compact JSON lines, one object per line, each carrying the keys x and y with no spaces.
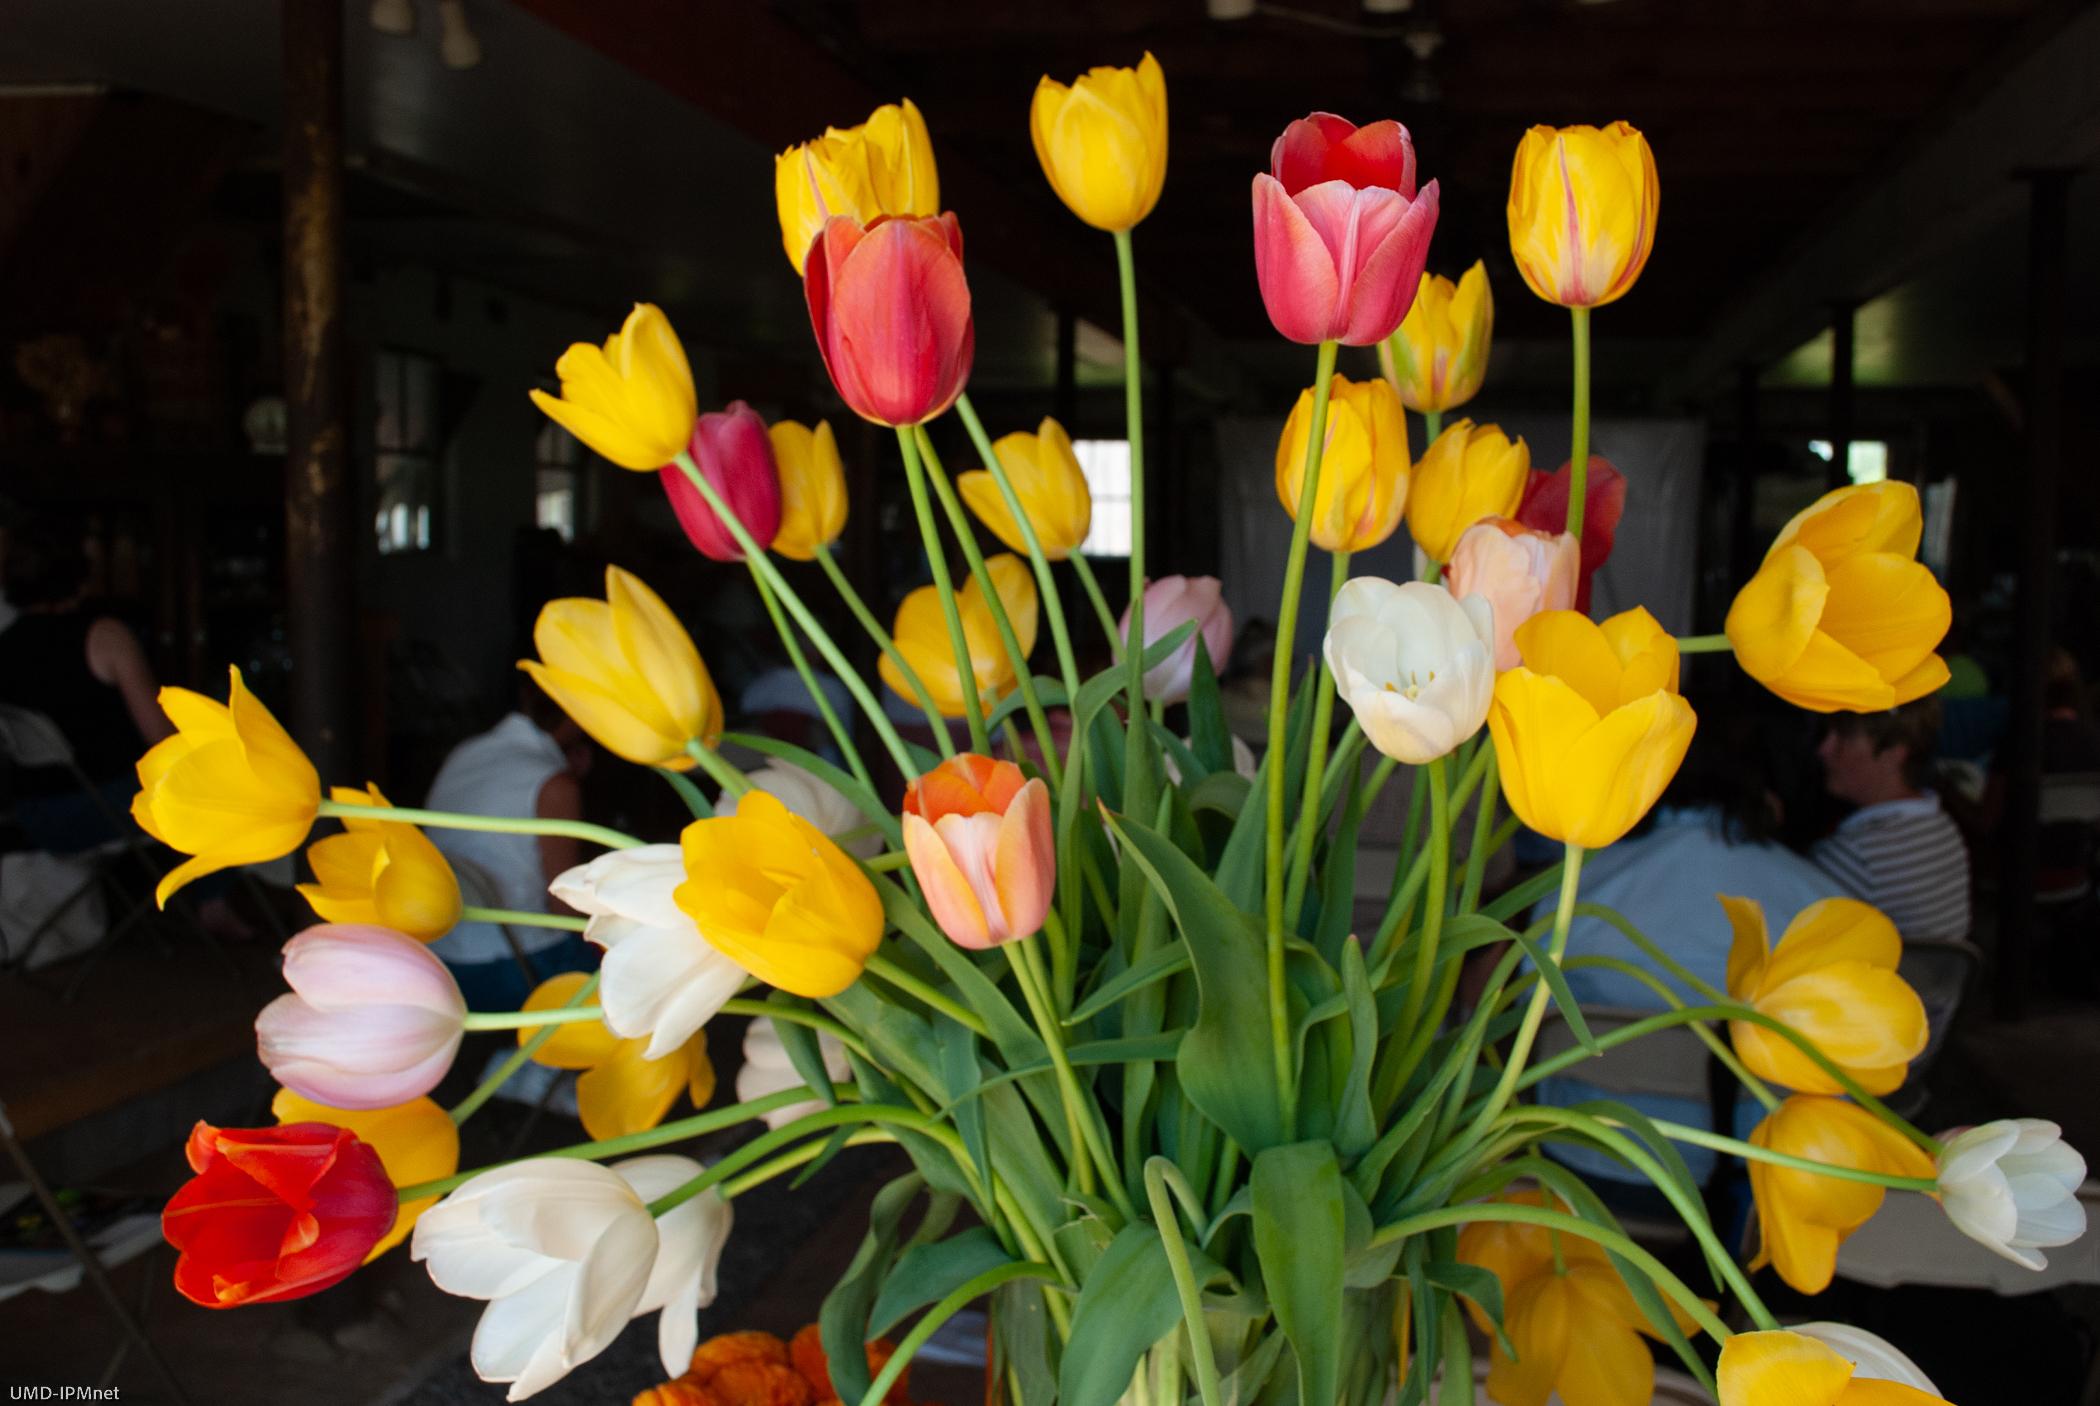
{"x":1906,"y":858}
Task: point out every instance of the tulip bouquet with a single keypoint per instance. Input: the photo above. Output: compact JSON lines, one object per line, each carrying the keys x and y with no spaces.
{"x":1104,"y":983}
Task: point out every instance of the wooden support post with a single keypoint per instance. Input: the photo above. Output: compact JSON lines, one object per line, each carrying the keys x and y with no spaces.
{"x":1842,"y":317}
{"x":320,"y":499}
{"x":2048,"y":218}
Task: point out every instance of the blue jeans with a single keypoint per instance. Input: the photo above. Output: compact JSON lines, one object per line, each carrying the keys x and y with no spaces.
{"x":500,"y":986}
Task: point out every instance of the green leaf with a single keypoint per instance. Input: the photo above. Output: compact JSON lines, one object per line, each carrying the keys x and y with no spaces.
{"x":1298,"y":1237}
{"x":925,"y":1273}
{"x":1225,"y":792}
{"x":864,"y":800}
{"x":1523,"y":895}
{"x":1557,"y":982}
{"x":1126,"y":1304}
{"x":1209,"y":736}
{"x":1157,"y":965}
{"x":803,"y":1051}
{"x":1337,"y":889}
{"x":1123,"y":1049}
{"x":960,"y":1070}
{"x":843,"y":1320}
{"x":1479,"y":1285}
{"x":1232,"y":978}
{"x":1023,"y":1344}
{"x":1355,"y":1125}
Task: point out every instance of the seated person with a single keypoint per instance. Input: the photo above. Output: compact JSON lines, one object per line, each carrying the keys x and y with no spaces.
{"x":1898,"y":850}
{"x":529,"y":764}
{"x":1711,"y":834}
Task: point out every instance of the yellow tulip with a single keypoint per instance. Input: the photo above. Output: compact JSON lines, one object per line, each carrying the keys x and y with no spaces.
{"x":1439,"y":356}
{"x":1582,"y":206}
{"x":1589,"y":728}
{"x":1470,"y":472}
{"x":620,"y":1091}
{"x":812,"y":488}
{"x":1842,"y":615}
{"x":1779,"y":1368}
{"x":627,"y":672}
{"x":1804,"y":1216}
{"x":776,"y":896}
{"x":631,"y":401}
{"x":921,"y":634}
{"x":1103,"y":142}
{"x":882,"y":167}
{"x":228,"y":787}
{"x":416,"y":1141}
{"x":1832,"y":978}
{"x":382,"y":872}
{"x":1045,"y":475}
{"x":1363,"y":466}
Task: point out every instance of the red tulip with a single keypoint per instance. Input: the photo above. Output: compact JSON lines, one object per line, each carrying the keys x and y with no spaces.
{"x":1340,"y":235}
{"x":891,"y":311}
{"x":275,"y":1213}
{"x":735,"y":455}
{"x":1545,"y":507}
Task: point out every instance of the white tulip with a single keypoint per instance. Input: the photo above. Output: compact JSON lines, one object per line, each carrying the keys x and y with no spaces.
{"x":1873,"y":1358}
{"x":1416,"y":665}
{"x":767,"y":1070}
{"x":820,"y":803}
{"x":2012,"y":1186}
{"x":691,"y":1237}
{"x":660,"y":977}
{"x":562,"y":1250}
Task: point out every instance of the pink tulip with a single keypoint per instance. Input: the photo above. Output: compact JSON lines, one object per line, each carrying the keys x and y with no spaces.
{"x":1340,"y":235}
{"x":735,"y":455}
{"x":1517,"y":570}
{"x":1171,"y":602}
{"x":891,"y":310}
{"x":978,"y":835}
{"x":374,"y":1018}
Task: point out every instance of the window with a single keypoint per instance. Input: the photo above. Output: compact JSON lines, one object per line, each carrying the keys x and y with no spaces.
{"x":557,"y":480}
{"x":1866,"y":460}
{"x":1106,"y":464}
{"x":405,"y":452}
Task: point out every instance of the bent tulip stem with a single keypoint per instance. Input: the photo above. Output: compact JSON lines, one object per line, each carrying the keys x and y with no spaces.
{"x":1579,"y":451}
{"x":1736,"y":1147}
{"x":859,"y":609}
{"x":1703,"y":644}
{"x":1185,"y":1286}
{"x":501,"y":1074}
{"x":1433,"y":915}
{"x":521,"y":918}
{"x":1092,"y":585}
{"x":1535,"y":1013}
{"x":733,"y":782}
{"x":728,"y":777}
{"x":1310,"y":811}
{"x":528,"y":1020}
{"x":904,"y":981}
{"x":951,"y":612}
{"x":1079,"y":1110}
{"x":498,"y":824}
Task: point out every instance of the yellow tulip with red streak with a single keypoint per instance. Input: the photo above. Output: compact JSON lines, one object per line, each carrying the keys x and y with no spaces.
{"x":882,"y":167}
{"x":1438,"y":357}
{"x":1582,"y":208}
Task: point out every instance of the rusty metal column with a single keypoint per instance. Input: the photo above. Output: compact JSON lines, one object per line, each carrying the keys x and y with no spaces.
{"x":320,"y":500}
{"x":1842,"y":318}
{"x":2048,"y":215}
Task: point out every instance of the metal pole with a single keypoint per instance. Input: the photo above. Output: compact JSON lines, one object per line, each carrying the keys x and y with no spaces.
{"x":319,"y":497}
{"x":1841,"y":394}
{"x":2047,"y":222}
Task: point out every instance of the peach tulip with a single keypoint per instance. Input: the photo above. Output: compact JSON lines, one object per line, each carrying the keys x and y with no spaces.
{"x":978,"y":834}
{"x":1518,"y":571}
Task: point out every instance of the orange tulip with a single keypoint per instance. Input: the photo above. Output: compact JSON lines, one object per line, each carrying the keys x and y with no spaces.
{"x":978,"y":834}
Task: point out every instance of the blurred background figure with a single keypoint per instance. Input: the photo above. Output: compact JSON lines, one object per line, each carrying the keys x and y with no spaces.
{"x":1898,"y":850}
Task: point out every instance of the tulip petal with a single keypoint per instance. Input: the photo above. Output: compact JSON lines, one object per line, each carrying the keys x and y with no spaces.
{"x":1780,"y":1367}
{"x":1749,"y":947}
{"x":1890,"y":611}
{"x":628,"y":1093}
{"x":1859,"y":518}
{"x":1571,"y":648}
{"x":662,"y":654}
{"x":1300,"y":285}
{"x":950,"y":895}
{"x":1537,"y":722}
{"x":1024,"y":865}
{"x":1834,"y":930}
{"x":1623,"y":763}
{"x":1861,"y":1017}
{"x":1389,"y":271}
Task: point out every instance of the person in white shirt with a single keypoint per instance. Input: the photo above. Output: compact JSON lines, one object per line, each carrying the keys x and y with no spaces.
{"x":1898,"y":850}
{"x":529,"y":764}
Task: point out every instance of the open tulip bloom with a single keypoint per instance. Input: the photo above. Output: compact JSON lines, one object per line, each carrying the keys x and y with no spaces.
{"x":1116,"y":983}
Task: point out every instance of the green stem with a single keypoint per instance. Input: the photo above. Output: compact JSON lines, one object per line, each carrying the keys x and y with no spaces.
{"x":1483,"y":826}
{"x":500,"y":1075}
{"x":1432,"y":426}
{"x":796,"y":1015}
{"x":521,"y":918}
{"x":1433,"y":915}
{"x":951,"y":612}
{"x":1185,"y":1288}
{"x":840,"y":733}
{"x":498,"y":824}
{"x":1134,"y":421}
{"x":1715,"y":1045}
{"x":1700,"y":1137}
{"x":527,"y":1020}
{"x":1079,"y":1109}
{"x":1310,"y":810}
{"x":1279,"y":742}
{"x":949,"y":1305}
{"x":1579,"y":453}
{"x":733,"y":782}
{"x":904,"y":981}
{"x":1092,"y":586}
{"x":801,"y":1156}
{"x":888,"y":646}
{"x":1535,"y":1013}
{"x":820,"y":637}
{"x":844,"y":1115}
{"x":695,"y":801}
{"x":1704,"y":644}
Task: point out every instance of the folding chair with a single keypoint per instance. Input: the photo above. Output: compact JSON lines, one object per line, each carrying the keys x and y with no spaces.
{"x":1939,"y":970}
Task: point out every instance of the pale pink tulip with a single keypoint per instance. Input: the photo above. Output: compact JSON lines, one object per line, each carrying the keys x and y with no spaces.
{"x":373,"y":1019}
{"x":1517,"y":570}
{"x":978,"y":835}
{"x":1170,"y":603}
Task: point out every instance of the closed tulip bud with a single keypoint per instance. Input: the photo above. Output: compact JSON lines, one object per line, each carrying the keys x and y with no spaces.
{"x":690,"y":1239}
{"x":920,"y":632}
{"x":2012,"y":1187}
{"x":562,"y":1249}
{"x":978,"y":834}
{"x":1518,"y":572}
{"x":812,"y":488}
{"x":733,"y":453}
{"x":1815,"y":1366}
{"x":1340,"y":233}
{"x":1103,"y":141}
{"x":1589,"y":726}
{"x":1170,"y":603}
{"x":1804,"y":1216}
{"x":1582,"y":204}
{"x":1363,"y":464}
{"x":274,"y":1213}
{"x":631,"y":400}
{"x":767,"y":1069}
{"x":228,"y":787}
{"x":1416,"y":666}
{"x":373,"y":1019}
{"x":1833,"y":979}
{"x":627,"y":672}
{"x":383,"y":873}
{"x":891,"y":311}
{"x":1545,"y":508}
{"x":775,"y":895}
{"x":1045,"y":475}
{"x":1438,"y":357}
{"x":417,"y":1141}
{"x":1468,"y":472}
{"x":620,"y":1089}
{"x":1842,"y":616}
{"x":882,"y":167}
